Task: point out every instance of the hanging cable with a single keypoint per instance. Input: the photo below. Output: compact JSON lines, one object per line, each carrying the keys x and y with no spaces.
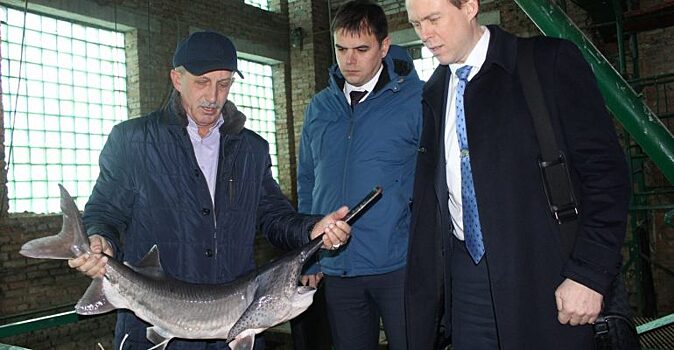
{"x":10,"y":160}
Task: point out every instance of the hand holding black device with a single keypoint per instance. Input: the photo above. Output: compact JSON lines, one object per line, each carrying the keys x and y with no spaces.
{"x":356,"y":211}
{"x":363,"y":205}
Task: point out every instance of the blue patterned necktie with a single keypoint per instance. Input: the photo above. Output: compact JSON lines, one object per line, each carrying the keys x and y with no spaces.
{"x":471,"y":220}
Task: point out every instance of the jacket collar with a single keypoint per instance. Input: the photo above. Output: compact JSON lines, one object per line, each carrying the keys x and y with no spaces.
{"x":174,"y":115}
{"x":436,"y":83}
{"x":435,"y":96}
{"x":398,"y":66}
{"x":502,"y":52}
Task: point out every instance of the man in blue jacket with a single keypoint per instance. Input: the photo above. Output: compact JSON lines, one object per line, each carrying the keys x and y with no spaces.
{"x":192,"y":180}
{"x":362,"y":131}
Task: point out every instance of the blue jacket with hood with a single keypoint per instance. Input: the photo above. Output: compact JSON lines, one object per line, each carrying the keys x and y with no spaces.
{"x":344,"y":153}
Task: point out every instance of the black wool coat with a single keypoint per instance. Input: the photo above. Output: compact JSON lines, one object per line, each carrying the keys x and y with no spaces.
{"x":521,"y":238}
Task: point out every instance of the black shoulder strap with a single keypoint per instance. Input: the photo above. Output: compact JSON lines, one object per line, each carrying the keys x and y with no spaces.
{"x":533,"y":93}
{"x":552,"y":162}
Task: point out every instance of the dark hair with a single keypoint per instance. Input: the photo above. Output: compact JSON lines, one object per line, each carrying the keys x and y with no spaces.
{"x":361,"y":16}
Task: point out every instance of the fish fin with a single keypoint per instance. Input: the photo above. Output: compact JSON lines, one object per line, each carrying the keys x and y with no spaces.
{"x":157,"y":336}
{"x":160,"y":346}
{"x":149,"y":265}
{"x":94,"y":301}
{"x":244,"y":341}
{"x":69,"y":243}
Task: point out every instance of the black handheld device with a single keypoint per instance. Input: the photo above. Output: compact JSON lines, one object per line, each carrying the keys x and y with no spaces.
{"x":354,"y":213}
{"x":363,"y":205}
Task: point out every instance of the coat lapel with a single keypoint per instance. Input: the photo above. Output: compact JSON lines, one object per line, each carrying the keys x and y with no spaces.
{"x":435,"y":99}
{"x":435,"y":96}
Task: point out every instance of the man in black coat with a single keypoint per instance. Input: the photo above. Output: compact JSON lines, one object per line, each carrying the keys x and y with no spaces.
{"x":510,"y":287}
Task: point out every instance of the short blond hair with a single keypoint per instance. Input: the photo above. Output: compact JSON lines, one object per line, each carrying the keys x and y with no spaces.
{"x":457,"y":3}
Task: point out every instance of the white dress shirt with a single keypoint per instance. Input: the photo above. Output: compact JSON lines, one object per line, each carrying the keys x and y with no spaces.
{"x":369,"y":86}
{"x":452,"y":152}
{"x":207,"y":151}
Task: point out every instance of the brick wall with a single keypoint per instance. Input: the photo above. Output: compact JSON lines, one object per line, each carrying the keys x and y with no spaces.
{"x":309,"y":62}
{"x":44,"y":287}
{"x":28,"y":284}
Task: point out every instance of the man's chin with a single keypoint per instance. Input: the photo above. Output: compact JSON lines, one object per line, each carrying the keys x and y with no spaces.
{"x":353,"y":80}
{"x":201,"y":118}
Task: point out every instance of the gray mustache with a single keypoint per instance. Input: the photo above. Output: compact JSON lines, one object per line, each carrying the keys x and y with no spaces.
{"x":210,"y":105}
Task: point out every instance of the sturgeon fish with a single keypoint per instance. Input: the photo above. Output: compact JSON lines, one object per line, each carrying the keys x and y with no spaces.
{"x":234,"y":311}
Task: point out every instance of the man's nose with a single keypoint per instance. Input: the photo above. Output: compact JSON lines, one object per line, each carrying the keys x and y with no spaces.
{"x":423,"y":31}
{"x":212,"y":93}
{"x":351,"y":56}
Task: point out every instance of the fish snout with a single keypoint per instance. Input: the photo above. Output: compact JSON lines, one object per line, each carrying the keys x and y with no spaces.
{"x":305,"y":290}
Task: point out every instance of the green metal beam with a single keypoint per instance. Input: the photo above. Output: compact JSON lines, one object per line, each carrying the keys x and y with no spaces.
{"x":11,"y":347}
{"x":655,"y":324}
{"x":35,"y":324}
{"x":639,"y":120}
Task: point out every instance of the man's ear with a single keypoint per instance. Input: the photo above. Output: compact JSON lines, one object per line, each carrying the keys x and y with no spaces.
{"x":385,"y":44}
{"x":471,"y":8}
{"x":175,"y":79}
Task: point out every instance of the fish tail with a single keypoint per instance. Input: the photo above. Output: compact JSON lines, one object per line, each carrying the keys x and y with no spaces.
{"x":71,"y":242}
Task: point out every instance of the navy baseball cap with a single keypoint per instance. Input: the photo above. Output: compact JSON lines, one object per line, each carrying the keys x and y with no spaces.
{"x":203,"y":52}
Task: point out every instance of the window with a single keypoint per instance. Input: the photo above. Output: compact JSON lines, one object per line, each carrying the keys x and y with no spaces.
{"x":426,"y":64}
{"x":263,"y":4}
{"x":63,"y":89}
{"x":254,"y":96}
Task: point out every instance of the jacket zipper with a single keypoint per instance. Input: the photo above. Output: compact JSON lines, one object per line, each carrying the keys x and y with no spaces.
{"x":230,"y":182}
{"x":349,"y":138}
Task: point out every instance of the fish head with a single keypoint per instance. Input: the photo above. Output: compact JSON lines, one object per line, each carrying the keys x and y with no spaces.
{"x":282,"y":275}
{"x":291,"y":268}
{"x":301,"y":300}
{"x":271,"y":309}
{"x":278,"y":298}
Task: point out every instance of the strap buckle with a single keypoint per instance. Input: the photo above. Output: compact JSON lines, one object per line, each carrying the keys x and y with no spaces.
{"x":559,"y":189}
{"x":565,"y":214}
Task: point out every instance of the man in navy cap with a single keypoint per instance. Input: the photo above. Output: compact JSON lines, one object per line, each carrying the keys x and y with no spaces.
{"x":192,"y":180}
